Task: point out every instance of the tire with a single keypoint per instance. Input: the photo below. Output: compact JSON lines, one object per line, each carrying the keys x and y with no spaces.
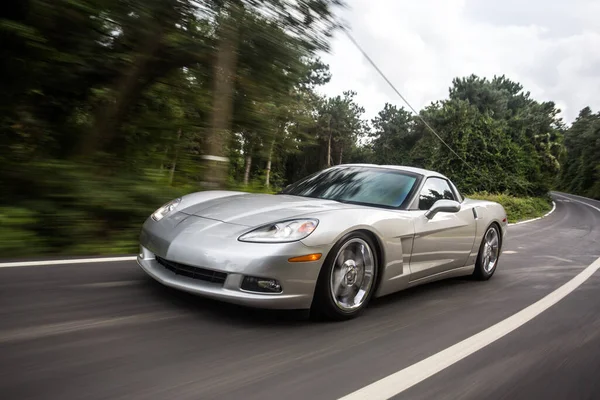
{"x":356,"y":271}
{"x":484,"y":266}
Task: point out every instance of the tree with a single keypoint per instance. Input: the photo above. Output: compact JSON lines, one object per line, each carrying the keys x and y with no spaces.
{"x":393,"y":136}
{"x":309,"y":22}
{"x":581,"y":172}
{"x":109,"y":107}
{"x":340,"y":125}
{"x":528,"y":134}
{"x":158,"y":38}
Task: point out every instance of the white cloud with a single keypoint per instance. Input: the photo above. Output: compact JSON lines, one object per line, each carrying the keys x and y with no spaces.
{"x":549,"y":46}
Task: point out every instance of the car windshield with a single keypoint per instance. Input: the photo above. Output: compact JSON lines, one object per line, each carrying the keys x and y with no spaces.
{"x":361,"y":185}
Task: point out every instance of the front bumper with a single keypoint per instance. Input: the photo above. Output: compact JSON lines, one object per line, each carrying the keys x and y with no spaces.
{"x":214,"y":246}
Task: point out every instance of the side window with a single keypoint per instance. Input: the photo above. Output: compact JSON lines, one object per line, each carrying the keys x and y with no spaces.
{"x":433,"y":190}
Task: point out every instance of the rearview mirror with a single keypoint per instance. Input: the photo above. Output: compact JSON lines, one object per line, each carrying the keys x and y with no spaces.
{"x":443,"y":206}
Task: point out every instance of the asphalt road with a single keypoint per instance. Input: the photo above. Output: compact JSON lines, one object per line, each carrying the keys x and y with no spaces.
{"x":106,"y":331}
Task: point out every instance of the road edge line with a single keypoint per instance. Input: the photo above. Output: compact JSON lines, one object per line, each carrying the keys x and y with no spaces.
{"x":579,"y":201}
{"x":65,"y":262}
{"x":535,"y":219}
{"x":575,"y":195}
{"x":400,"y":381}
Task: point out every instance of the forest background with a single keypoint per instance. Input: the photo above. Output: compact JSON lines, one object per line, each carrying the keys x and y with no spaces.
{"x":109,"y":108}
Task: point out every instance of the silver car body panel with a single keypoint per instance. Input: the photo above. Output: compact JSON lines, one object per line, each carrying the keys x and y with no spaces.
{"x":204,"y":230}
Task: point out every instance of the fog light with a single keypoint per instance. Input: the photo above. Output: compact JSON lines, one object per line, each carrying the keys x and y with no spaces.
{"x":262,"y":285}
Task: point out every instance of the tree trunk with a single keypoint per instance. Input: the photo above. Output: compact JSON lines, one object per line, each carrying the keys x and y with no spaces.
{"x":247,"y":171}
{"x":215,"y":162}
{"x":162,"y":164}
{"x":268,"y":173}
{"x":341,"y":151}
{"x":172,"y":172}
{"x":329,"y":144}
{"x":329,"y":151}
{"x":127,"y":89}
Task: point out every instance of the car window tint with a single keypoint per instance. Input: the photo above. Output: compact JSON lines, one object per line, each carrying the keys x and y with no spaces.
{"x":433,"y":190}
{"x":370,"y":186}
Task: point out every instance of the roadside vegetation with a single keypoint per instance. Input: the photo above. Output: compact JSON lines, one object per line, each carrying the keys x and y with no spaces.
{"x":518,"y":208}
{"x":111,"y":108}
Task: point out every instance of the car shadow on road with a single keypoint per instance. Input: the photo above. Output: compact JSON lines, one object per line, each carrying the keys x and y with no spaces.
{"x":219,"y":311}
{"x":236,"y":315}
{"x":419,"y":293}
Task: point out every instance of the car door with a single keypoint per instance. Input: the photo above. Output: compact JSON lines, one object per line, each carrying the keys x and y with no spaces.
{"x":444,"y":242}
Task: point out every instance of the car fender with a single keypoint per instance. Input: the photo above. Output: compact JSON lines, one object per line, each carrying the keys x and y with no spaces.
{"x":394,"y":231}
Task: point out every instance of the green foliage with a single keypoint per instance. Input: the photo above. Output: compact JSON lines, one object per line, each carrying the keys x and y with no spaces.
{"x":501,"y":139}
{"x":18,"y":236}
{"x":518,"y":208}
{"x":74,"y":209}
{"x":511,"y":142}
{"x":331,"y":138}
{"x":108,"y":108}
{"x":393,"y":136}
{"x":581,"y":174}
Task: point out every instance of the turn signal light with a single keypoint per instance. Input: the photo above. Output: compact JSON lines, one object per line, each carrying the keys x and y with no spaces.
{"x":308,"y":257}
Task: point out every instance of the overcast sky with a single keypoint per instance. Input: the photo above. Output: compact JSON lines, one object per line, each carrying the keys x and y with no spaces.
{"x":552,"y":47}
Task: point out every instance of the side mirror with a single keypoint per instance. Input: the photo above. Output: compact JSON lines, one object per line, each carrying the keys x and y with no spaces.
{"x":443,"y":206}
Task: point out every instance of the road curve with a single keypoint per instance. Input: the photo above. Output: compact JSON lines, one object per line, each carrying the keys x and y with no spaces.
{"x":106,"y":331}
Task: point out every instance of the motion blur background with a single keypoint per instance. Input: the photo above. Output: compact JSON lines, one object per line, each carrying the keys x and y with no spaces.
{"x":109,"y":108}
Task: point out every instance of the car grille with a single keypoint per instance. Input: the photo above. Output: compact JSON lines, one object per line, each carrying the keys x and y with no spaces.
{"x":202,"y":274}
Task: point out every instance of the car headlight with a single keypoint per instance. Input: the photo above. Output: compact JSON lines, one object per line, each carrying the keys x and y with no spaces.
{"x":165,"y":209}
{"x":281,"y":232}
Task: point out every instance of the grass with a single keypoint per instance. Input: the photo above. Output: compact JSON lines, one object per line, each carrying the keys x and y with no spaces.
{"x":518,"y":208}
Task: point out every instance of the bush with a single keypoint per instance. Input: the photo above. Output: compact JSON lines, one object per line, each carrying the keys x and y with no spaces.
{"x":62,"y":207}
{"x":18,"y":236}
{"x":67,"y":208}
{"x":518,"y":208}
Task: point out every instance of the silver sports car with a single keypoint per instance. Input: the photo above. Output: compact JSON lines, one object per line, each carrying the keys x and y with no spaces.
{"x":329,"y":242}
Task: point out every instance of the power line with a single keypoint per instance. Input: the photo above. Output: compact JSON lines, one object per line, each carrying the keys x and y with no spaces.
{"x":402,"y":97}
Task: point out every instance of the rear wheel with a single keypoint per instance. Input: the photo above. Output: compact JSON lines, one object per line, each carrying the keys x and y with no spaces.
{"x":489,"y":252}
{"x":347,"y":279}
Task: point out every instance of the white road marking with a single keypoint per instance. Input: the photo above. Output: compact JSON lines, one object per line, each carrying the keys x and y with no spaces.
{"x":509,"y":252}
{"x":65,"y":262}
{"x":581,"y":197}
{"x":402,"y":380}
{"x":581,"y":202}
{"x":535,"y":219}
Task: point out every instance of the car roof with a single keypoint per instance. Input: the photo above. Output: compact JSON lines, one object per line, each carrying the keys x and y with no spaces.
{"x":420,"y":171}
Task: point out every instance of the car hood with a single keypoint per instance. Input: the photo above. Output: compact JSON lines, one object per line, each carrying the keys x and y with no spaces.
{"x":257,"y":209}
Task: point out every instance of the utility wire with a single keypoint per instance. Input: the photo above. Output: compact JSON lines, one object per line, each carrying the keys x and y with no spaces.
{"x":402,"y":97}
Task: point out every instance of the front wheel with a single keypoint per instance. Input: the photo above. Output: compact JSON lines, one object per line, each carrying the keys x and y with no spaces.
{"x":347,"y":279}
{"x":489,"y":252}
